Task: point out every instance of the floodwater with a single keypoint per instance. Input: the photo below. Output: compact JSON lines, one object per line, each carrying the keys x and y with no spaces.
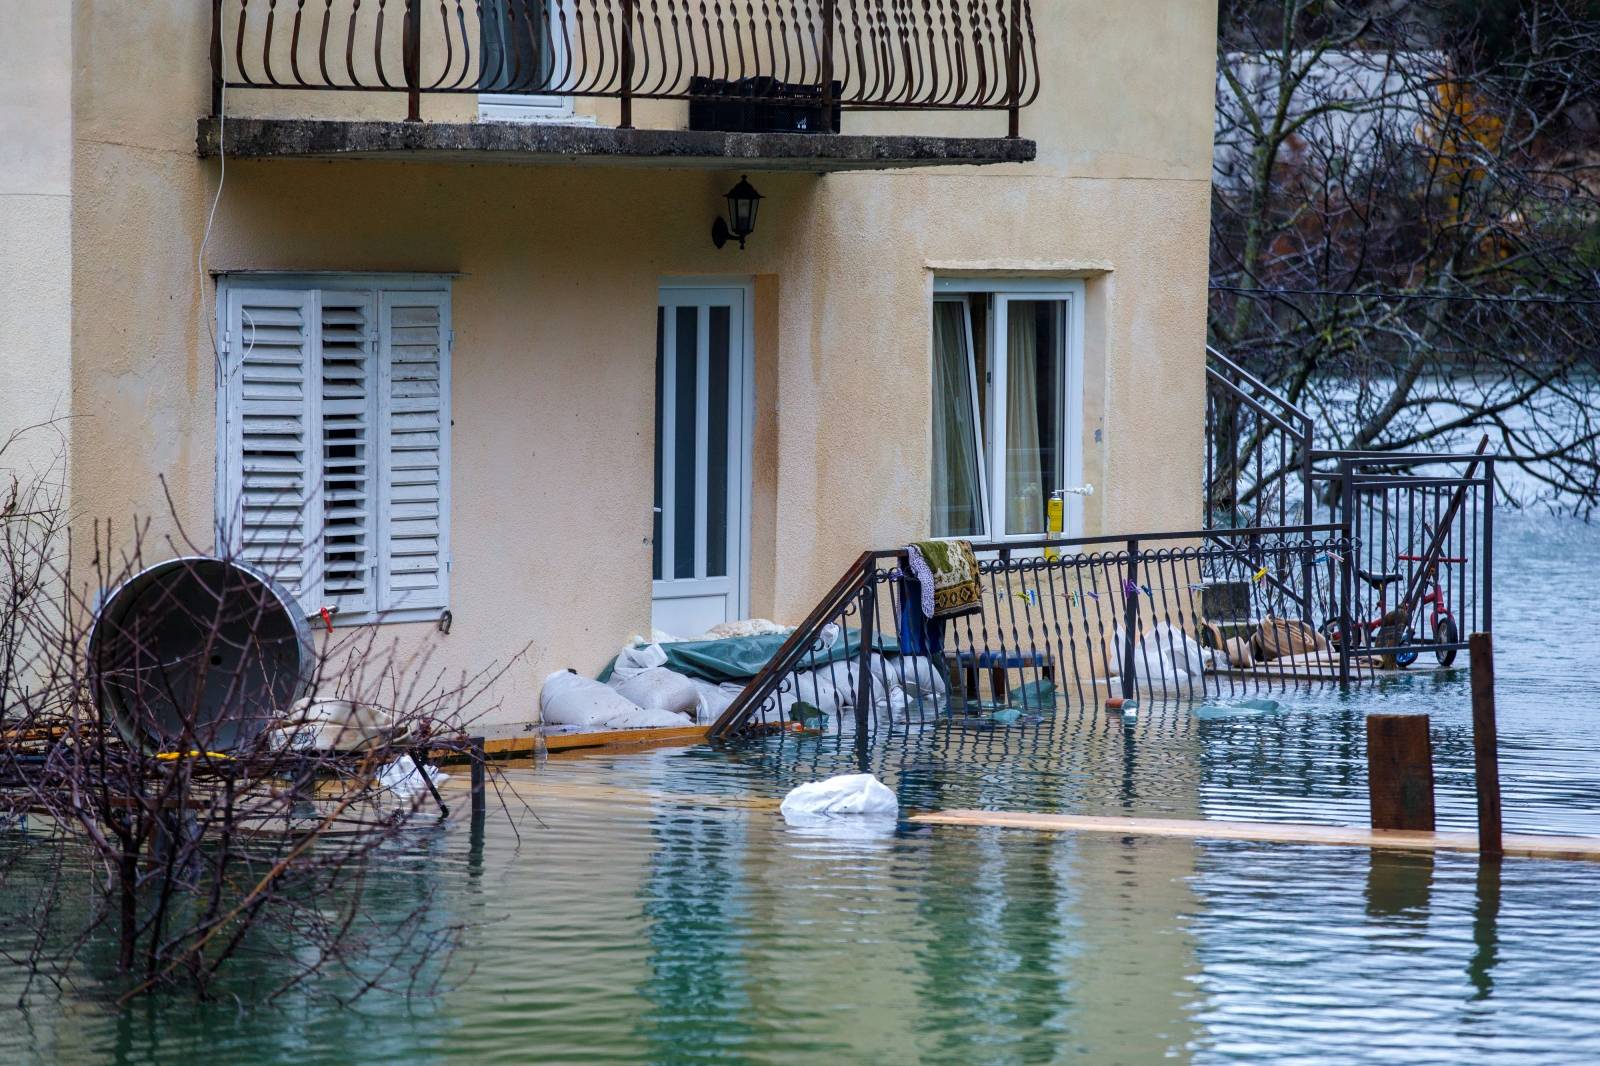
{"x":659,"y":910}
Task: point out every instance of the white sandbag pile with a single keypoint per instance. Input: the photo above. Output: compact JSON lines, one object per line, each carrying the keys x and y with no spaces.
{"x":1166,"y":656}
{"x":570,"y":700}
{"x":832,"y":688}
{"x":641,"y":676}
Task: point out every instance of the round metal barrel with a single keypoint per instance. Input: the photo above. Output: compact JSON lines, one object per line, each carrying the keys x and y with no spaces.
{"x":198,"y":653}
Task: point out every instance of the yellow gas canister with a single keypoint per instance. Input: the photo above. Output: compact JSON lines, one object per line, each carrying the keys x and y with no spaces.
{"x":1054,"y":521}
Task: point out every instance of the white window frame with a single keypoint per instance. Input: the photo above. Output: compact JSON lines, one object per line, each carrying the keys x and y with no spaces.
{"x":535,"y":107}
{"x":992,"y":476}
{"x":339,"y":281}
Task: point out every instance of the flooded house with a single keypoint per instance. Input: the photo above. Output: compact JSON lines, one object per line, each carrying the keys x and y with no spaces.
{"x":519,"y":327}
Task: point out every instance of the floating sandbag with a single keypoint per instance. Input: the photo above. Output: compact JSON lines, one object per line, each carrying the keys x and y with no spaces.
{"x":848,"y":795}
{"x":401,"y":777}
{"x":568,"y":699}
{"x":1165,"y":655}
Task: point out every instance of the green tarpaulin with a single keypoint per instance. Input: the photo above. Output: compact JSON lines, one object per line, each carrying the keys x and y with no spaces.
{"x":741,"y":658}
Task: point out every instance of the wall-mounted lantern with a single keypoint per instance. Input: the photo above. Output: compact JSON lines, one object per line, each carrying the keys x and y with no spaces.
{"x":743,"y":202}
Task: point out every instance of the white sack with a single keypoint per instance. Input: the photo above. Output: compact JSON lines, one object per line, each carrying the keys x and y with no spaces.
{"x":318,"y":723}
{"x":713,"y":698}
{"x":1165,"y":655}
{"x":745,"y":627}
{"x":634,"y":660}
{"x":919,"y":674}
{"x":851,"y":794}
{"x":401,"y":778}
{"x":568,"y":699}
{"x":660,"y":689}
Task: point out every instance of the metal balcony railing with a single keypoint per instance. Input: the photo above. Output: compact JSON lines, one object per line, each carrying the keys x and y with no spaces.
{"x":1063,"y":623}
{"x":967,"y":55}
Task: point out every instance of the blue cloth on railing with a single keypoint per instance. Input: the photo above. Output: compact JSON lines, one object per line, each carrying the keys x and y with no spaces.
{"x":919,"y":634}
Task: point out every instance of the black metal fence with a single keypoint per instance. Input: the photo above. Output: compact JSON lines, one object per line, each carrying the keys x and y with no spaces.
{"x":1422,"y":527}
{"x":1147,"y":619}
{"x":969,"y":55}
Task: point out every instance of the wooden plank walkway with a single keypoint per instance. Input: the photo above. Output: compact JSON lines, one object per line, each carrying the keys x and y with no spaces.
{"x":1527,"y":845}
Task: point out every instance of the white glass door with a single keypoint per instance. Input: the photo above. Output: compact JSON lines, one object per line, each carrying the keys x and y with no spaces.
{"x":701,"y":477}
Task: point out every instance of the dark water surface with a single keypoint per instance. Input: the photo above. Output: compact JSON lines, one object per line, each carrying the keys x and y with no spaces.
{"x":660,"y":911}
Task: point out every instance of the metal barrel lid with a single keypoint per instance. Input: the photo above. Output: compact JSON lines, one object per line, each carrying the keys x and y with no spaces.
{"x":198,"y":652}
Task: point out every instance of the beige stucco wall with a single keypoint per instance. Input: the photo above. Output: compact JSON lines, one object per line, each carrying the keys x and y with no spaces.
{"x":35,"y":238}
{"x":554,"y":318}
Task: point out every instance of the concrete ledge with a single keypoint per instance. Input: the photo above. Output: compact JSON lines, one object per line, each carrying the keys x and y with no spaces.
{"x":548,"y":143}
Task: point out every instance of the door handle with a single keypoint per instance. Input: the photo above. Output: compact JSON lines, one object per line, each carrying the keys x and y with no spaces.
{"x":1079,"y":490}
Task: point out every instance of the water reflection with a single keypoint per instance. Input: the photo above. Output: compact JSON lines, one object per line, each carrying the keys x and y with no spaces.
{"x":1485,"y":928}
{"x":1399,"y":884}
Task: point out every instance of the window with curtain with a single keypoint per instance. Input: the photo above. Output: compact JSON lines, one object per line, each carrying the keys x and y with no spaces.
{"x":519,"y":57}
{"x":515,"y":40}
{"x":1000,"y":412}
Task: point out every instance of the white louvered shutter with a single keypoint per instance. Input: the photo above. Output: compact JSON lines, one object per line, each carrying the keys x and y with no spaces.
{"x":347,"y":549}
{"x":269,"y":515}
{"x":414,"y":389}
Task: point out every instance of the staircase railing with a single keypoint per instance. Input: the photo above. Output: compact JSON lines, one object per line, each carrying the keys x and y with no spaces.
{"x":1258,"y":451}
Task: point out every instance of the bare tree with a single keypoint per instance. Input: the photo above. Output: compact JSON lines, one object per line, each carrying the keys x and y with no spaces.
{"x":171,"y":810}
{"x":1406,"y":229}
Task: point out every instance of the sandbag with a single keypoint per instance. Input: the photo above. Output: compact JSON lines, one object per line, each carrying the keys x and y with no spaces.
{"x":322,"y":724}
{"x":820,"y":688}
{"x":848,"y":795}
{"x":1165,"y":655}
{"x":567,"y":699}
{"x":713,"y":699}
{"x":1279,"y":638}
{"x":660,"y":689}
{"x":746,"y":627}
{"x":1239,"y":652}
{"x":402,"y":779}
{"x":635,"y":659}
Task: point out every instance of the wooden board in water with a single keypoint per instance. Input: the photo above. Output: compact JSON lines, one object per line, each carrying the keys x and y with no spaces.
{"x":1527,"y":845}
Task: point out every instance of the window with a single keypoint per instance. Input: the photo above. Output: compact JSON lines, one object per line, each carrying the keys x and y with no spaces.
{"x":333,"y":439}
{"x":520,"y":44}
{"x":1006,"y":406}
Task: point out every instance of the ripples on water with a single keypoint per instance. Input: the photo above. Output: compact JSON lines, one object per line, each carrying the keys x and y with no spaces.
{"x":662,"y":912}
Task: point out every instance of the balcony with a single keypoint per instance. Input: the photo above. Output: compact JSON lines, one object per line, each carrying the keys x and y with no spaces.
{"x":809,"y":85}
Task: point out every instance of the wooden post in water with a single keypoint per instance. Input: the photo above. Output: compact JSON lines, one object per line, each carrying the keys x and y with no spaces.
{"x":1485,"y":747}
{"x":1400,"y":771}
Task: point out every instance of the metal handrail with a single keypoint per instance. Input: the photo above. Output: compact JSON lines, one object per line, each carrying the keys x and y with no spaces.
{"x":855,"y":595}
{"x":968,"y":55}
{"x":1256,"y":383}
{"x":798,"y":643}
{"x":1245,"y":420}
